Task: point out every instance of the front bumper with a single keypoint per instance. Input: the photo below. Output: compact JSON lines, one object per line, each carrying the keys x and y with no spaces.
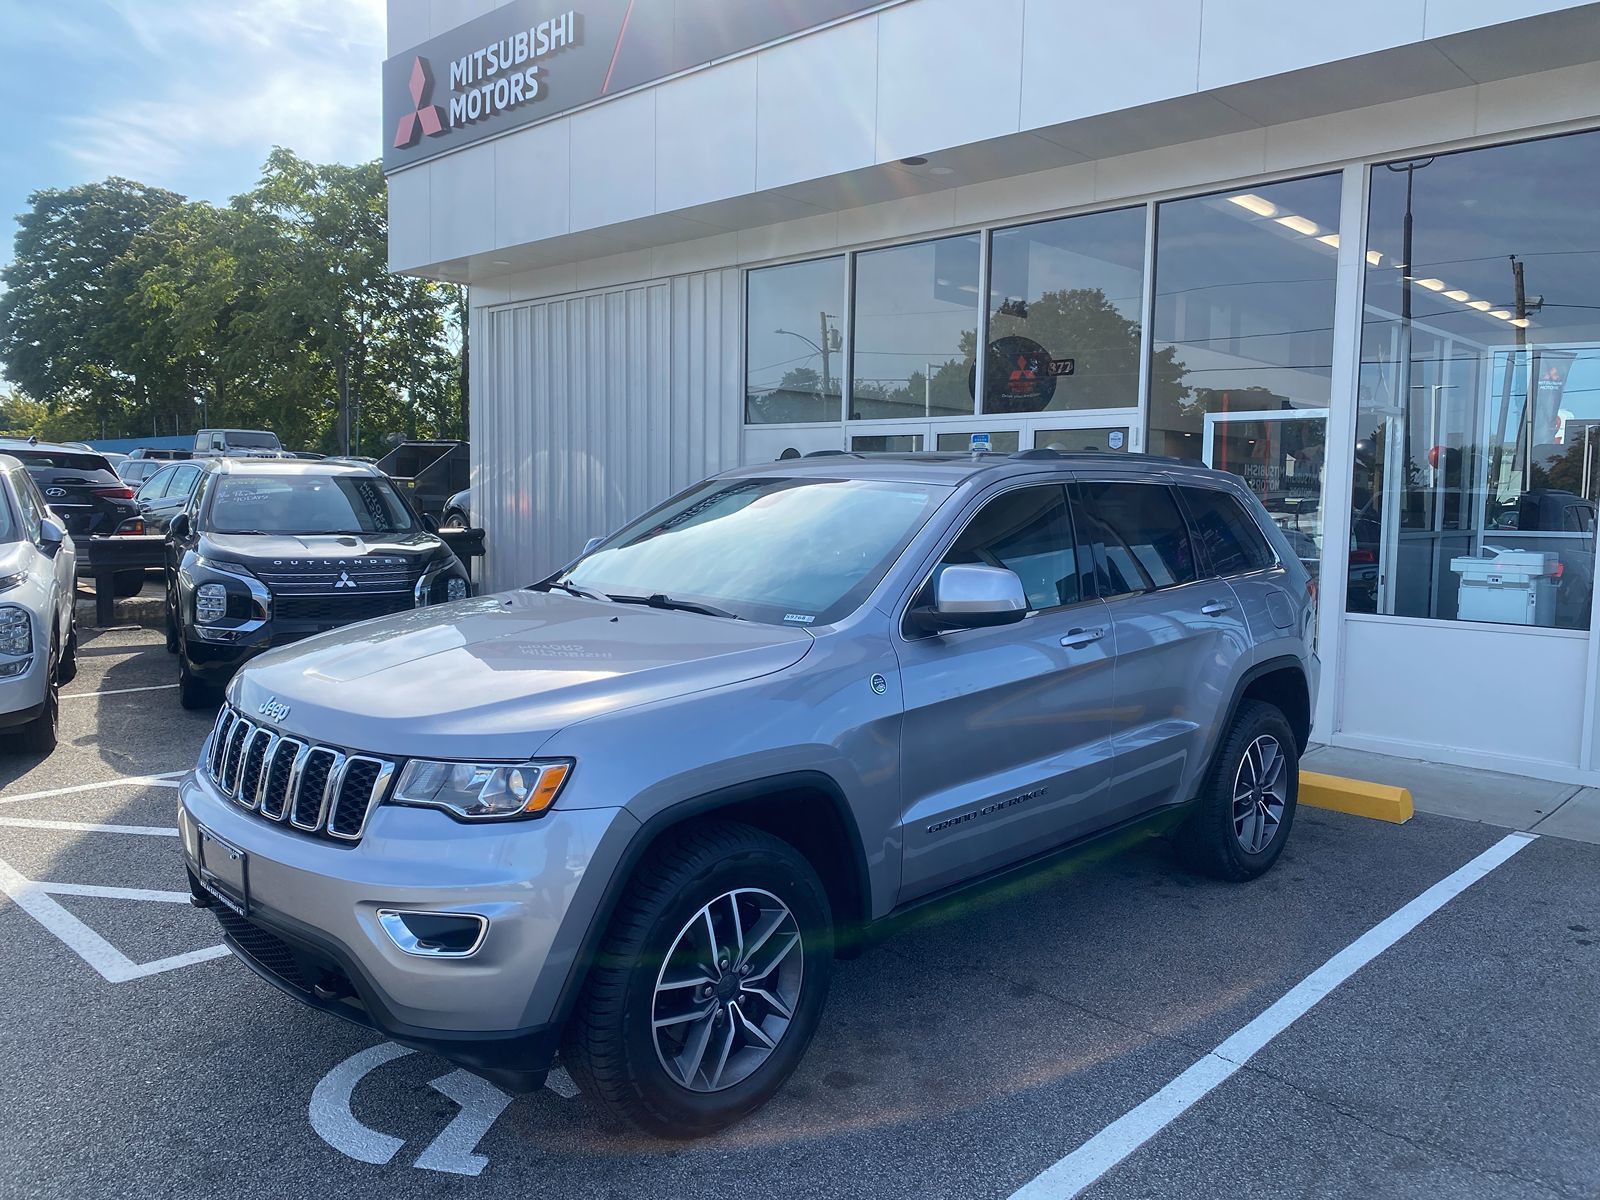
{"x":22,"y":696}
{"x":311,"y":926}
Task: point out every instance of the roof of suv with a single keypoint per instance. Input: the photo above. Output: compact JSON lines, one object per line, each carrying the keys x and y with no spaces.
{"x":954,"y":467}
{"x":285,"y":466}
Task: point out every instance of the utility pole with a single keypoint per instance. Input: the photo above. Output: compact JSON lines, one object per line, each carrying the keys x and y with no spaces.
{"x":822,"y":341}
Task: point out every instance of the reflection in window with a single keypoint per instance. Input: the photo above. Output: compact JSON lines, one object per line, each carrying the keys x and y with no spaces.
{"x":889,"y":443}
{"x":916,"y":322}
{"x":1029,"y":532}
{"x":1065,"y":291}
{"x":1243,"y":334}
{"x":1001,"y":441}
{"x":1477,"y":456}
{"x":1082,"y":439}
{"x":794,"y":342}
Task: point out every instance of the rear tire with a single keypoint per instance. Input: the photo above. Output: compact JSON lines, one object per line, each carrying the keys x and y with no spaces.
{"x":1246,"y":809}
{"x":127,"y":584}
{"x":755,"y":899}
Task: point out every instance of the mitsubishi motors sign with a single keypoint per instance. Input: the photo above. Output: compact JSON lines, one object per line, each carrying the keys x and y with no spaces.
{"x":533,"y":59}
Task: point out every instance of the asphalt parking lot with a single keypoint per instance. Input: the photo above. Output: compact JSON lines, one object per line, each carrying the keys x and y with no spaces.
{"x":964,"y":1057}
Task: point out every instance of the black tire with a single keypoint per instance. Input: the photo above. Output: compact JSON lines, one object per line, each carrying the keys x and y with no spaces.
{"x":194,"y":693}
{"x":67,"y":669}
{"x":172,"y":629}
{"x":39,"y":735}
{"x":1211,"y":840}
{"x":127,"y":584}
{"x":609,"y":1045}
{"x":453,"y":520}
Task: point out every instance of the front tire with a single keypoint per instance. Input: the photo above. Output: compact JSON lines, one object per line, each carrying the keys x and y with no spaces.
{"x":67,"y":669}
{"x":709,"y":985}
{"x":1247,"y":806}
{"x":39,"y":736}
{"x":194,"y":693}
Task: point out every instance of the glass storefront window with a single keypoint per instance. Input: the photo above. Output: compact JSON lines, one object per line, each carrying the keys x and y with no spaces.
{"x":1076,"y":439}
{"x":916,"y":330}
{"x":1065,"y":294}
{"x":794,"y":345}
{"x":1477,"y":455}
{"x":1001,"y":441}
{"x":1242,"y":341}
{"x":889,"y":443}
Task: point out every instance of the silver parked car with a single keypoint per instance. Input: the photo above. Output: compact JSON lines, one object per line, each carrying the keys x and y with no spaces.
{"x":633,"y":812}
{"x":38,"y":635}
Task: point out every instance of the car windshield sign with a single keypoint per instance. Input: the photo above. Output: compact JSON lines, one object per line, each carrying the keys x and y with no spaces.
{"x":780,"y":550}
{"x":306,"y":504}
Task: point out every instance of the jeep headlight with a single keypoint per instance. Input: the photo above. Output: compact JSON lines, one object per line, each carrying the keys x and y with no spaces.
{"x":210,"y":603}
{"x":483,"y":791}
{"x":16,"y":632}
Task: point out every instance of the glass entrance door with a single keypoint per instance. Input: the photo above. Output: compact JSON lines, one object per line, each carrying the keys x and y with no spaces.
{"x":1280,"y":454}
{"x":1074,"y":437}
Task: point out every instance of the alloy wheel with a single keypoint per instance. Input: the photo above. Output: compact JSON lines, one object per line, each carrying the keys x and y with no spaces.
{"x":1260,"y":793}
{"x":728,"y":990}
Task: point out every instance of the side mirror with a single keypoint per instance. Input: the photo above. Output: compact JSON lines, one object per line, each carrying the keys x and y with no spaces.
{"x":51,"y":535}
{"x":591,"y":544}
{"x":972,"y":597}
{"x":179,"y":526}
{"x":430,"y":523}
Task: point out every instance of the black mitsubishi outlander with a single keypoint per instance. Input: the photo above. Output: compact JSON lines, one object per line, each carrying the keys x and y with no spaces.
{"x":269,"y":551}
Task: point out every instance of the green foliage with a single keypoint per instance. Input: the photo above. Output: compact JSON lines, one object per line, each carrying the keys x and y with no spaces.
{"x":127,"y":303}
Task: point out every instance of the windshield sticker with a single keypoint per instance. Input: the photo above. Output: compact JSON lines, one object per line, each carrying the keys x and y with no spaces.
{"x":800,"y":618}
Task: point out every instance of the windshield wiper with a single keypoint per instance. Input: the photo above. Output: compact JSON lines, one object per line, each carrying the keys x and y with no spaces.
{"x":659,"y":601}
{"x":571,"y":589}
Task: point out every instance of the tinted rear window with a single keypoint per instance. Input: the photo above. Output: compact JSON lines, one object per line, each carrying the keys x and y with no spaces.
{"x":1231,"y":540}
{"x":66,"y":460}
{"x":1144,"y":537}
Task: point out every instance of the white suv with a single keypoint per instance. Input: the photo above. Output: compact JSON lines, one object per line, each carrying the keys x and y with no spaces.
{"x":38,"y":637}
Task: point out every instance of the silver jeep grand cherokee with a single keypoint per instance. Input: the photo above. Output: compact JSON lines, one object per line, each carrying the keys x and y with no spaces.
{"x":632,"y":813}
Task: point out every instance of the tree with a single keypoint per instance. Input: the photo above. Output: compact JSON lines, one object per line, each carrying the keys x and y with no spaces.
{"x":62,"y":333}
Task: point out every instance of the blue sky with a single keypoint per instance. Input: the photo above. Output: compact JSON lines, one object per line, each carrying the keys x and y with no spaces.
{"x":184,"y":94}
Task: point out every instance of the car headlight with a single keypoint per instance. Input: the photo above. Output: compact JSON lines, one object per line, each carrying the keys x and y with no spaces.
{"x":483,"y":791}
{"x":16,"y":631}
{"x":210,"y":603}
{"x":17,"y":579}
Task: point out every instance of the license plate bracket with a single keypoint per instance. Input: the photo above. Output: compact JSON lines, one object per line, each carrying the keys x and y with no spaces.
{"x":224,"y":871}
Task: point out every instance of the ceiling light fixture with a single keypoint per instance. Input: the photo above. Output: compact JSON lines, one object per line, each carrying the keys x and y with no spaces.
{"x":1330,"y":239}
{"x":915,"y":160}
{"x":1257,"y":205}
{"x":1522,"y":322}
{"x":1458,"y":295}
{"x":1481,"y":305}
{"x":1433,"y":285}
{"x":1503,"y":313}
{"x":1374,"y":259}
{"x":1299,"y":224}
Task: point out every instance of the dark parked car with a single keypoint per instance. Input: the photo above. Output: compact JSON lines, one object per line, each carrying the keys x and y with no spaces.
{"x":95,"y":505}
{"x":458,"y":511}
{"x":269,"y":551}
{"x":167,"y":493}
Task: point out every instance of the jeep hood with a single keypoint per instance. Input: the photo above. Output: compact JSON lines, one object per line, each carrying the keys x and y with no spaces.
{"x":495,"y":677}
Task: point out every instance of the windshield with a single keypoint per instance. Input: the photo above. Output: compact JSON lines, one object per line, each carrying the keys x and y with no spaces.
{"x":781,"y":551}
{"x":253,"y":441}
{"x":306,"y":504}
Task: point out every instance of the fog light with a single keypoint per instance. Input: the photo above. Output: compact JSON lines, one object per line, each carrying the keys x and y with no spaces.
{"x":7,"y":670}
{"x":210,"y":603}
{"x":434,"y":934}
{"x":455,"y":588}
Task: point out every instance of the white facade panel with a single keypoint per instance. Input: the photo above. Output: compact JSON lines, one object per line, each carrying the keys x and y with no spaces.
{"x":613,"y":161}
{"x":590,"y":409}
{"x":462,"y":194}
{"x":531,"y":195}
{"x":706,"y":136}
{"x":816,"y":105}
{"x":1254,"y":39}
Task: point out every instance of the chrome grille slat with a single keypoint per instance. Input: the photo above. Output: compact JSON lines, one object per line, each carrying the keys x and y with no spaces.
{"x":315,"y":788}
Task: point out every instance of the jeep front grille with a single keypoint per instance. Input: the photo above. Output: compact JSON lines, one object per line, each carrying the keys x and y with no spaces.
{"x":316,"y":789}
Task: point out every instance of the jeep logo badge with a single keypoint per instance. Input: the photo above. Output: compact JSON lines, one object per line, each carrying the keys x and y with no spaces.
{"x":274,"y":710}
{"x":344,"y":580}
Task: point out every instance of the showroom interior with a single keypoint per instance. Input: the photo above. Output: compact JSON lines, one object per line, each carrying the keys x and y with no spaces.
{"x":1354,"y":260}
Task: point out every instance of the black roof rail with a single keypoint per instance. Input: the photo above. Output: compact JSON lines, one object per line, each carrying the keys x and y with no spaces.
{"x":1036,"y":452}
{"x":831,"y":454}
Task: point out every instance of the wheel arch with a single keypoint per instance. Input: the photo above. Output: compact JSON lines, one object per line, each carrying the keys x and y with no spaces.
{"x":807,"y":809}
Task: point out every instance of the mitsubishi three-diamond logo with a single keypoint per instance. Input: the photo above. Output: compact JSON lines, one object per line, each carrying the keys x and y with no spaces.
{"x":426,"y":118}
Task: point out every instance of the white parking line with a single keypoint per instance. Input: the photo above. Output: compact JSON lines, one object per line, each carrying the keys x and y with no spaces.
{"x":1090,"y":1161}
{"x":168,"y":779}
{"x":156,"y":687}
{"x":87,"y":827}
{"x":111,"y":893}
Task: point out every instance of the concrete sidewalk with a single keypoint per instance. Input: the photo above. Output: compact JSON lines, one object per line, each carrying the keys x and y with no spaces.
{"x":1508,"y":801}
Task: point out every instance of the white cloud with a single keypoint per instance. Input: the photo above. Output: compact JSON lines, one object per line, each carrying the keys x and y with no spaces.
{"x":237,"y":77}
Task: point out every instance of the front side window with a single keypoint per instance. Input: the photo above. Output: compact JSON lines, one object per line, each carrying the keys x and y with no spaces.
{"x":10,"y":526}
{"x":31,"y":503}
{"x":772,"y":549}
{"x":1478,"y":424}
{"x":1231,"y":541}
{"x":306,"y":504}
{"x":156,"y":486}
{"x":1027,"y":531}
{"x":916,"y":330}
{"x":1143,"y":539}
{"x":794,"y":342}
{"x":1064,"y":314}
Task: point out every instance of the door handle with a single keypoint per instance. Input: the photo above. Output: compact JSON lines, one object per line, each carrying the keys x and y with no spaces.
{"x":1081,"y":637}
{"x":1216,"y":608}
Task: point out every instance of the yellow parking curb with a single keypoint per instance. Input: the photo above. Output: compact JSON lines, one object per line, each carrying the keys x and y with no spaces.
{"x":1380,"y":801}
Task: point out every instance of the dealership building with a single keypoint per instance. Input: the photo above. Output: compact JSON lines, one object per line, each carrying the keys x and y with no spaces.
{"x":1349,"y":251}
